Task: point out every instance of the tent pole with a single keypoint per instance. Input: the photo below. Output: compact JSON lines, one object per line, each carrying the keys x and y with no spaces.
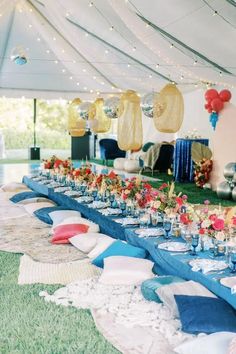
{"x":35,"y":116}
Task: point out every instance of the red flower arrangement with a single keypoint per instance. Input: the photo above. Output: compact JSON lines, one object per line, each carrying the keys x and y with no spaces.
{"x":202,"y":172}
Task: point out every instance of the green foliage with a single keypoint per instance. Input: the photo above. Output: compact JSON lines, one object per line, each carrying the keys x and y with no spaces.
{"x":16,"y":123}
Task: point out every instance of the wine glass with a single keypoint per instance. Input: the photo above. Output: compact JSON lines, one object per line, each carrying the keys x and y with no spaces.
{"x":167,"y":227}
{"x":123,"y":207}
{"x":195,"y":241}
{"x":154,"y":219}
{"x":233,"y":260}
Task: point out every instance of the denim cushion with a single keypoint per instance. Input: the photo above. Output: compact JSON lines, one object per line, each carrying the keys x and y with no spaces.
{"x":119,"y":248}
{"x":25,"y":195}
{"x":149,"y":286}
{"x":199,"y":314}
{"x":43,"y":213}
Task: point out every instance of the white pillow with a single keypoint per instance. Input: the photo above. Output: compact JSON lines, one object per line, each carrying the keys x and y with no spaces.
{"x":102,"y":244}
{"x":33,"y":200}
{"x":122,"y":270}
{"x":14,"y":187}
{"x":166,"y":293}
{"x":215,"y":343}
{"x":79,"y":220}
{"x":86,"y":242}
{"x":30,"y":208}
{"x":60,"y":215}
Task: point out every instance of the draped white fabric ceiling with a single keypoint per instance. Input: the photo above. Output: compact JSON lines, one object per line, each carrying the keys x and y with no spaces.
{"x":84,"y":48}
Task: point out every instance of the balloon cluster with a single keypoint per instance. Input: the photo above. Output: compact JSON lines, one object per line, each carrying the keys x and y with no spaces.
{"x":215,"y":103}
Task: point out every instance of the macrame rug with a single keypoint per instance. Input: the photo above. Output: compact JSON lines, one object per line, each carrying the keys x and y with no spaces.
{"x":31,"y":272}
{"x":132,"y":324}
{"x":22,"y":233}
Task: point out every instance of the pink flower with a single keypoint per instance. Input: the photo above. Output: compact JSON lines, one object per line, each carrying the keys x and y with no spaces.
{"x":234,"y":220}
{"x":212,"y":217}
{"x":201,"y":231}
{"x":184,"y":197}
{"x":207,"y":202}
{"x":218,"y":224}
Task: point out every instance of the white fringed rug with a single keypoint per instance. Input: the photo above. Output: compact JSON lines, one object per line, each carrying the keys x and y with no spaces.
{"x":122,"y":314}
{"x":31,"y":272}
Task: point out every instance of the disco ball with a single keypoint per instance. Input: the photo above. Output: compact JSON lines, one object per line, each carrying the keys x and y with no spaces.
{"x":111,"y":106}
{"x":224,"y":191}
{"x":18,"y":56}
{"x":147,"y":104}
{"x":230,"y":170}
{"x":83,"y":110}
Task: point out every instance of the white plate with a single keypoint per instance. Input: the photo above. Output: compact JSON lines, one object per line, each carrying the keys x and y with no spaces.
{"x":110,"y":211}
{"x":127,"y":221}
{"x":62,"y":189}
{"x":174,"y":246}
{"x":98,"y":205}
{"x":228,"y":281}
{"x":150,"y":232}
{"x":72,"y":193}
{"x":84,"y":199}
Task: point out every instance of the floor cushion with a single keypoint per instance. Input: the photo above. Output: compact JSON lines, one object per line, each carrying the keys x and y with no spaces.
{"x":86,"y":242}
{"x":166,"y":293}
{"x":119,"y":248}
{"x":150,"y":286}
{"x":122,"y":270}
{"x":217,"y":343}
{"x":199,"y":314}
{"x":14,"y":187}
{"x":102,"y":244}
{"x":33,"y":200}
{"x":24,"y":195}
{"x":58,"y":216}
{"x":43,"y":214}
{"x":62,"y":233}
{"x":79,"y":220}
{"x":32,"y":207}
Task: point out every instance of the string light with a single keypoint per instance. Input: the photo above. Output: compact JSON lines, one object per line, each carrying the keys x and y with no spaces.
{"x":128,"y":65}
{"x":94,"y":77}
{"x":84,"y":70}
{"x":56,"y":61}
{"x":90,"y":4}
{"x":171,"y":46}
{"x":111,"y":28}
{"x":134,"y":49}
{"x":220,"y":73}
{"x":195,"y":62}
{"x":71,"y":77}
{"x":47,"y":51}
{"x":85,"y":88}
{"x":63,"y":70}
{"x":77,"y":83}
{"x":63,"y":51}
{"x":157,"y":65}
{"x":106,"y":51}
{"x":30,"y":26}
{"x":74,"y":61}
{"x":215,"y":13}
{"x":38,"y":39}
{"x":54,"y":38}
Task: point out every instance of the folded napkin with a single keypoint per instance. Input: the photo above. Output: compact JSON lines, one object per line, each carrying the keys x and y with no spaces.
{"x":207,"y":265}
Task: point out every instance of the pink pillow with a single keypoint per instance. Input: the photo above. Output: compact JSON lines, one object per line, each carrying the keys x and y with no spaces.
{"x":62,"y":233}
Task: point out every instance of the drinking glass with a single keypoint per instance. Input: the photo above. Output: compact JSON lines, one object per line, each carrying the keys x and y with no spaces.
{"x":167,"y":227}
{"x":154,"y":219}
{"x":123,"y":207}
{"x":195,"y":241}
{"x":233,"y":260}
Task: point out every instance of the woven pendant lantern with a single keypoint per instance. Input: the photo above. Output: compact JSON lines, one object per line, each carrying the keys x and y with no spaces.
{"x":130,"y":129}
{"x":76,"y":125}
{"x":98,"y":121}
{"x":168,"y":109}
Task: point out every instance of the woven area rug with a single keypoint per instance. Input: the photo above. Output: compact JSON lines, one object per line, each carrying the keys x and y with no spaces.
{"x":22,"y":233}
{"x":32,"y":272}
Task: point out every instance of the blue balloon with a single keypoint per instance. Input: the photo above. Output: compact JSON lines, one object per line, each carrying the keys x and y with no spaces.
{"x":214,"y":119}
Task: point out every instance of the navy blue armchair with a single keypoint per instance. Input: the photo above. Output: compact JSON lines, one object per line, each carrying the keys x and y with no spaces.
{"x":109,"y":149}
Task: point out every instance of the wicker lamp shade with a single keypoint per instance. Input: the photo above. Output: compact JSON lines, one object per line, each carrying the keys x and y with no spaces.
{"x":76,"y":125}
{"x":98,"y":121}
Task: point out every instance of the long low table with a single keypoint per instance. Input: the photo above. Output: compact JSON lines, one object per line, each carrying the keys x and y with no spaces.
{"x":165,"y":262}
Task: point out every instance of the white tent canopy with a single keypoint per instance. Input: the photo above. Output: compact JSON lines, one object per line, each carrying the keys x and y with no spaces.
{"x":82,"y":48}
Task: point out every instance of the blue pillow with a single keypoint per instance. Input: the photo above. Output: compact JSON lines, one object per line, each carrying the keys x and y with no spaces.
{"x":149,"y":286}
{"x":119,"y":248}
{"x":25,"y":195}
{"x":43,"y":213}
{"x":199,"y":314}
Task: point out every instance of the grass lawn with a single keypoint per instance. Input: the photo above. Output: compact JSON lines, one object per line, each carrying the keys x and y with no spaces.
{"x":29,"y":325}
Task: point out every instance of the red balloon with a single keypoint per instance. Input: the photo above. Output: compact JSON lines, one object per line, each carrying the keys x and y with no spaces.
{"x":207,"y":105}
{"x":217,"y":105}
{"x":211,"y":94}
{"x":225,"y":95}
{"x":209,"y":110}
